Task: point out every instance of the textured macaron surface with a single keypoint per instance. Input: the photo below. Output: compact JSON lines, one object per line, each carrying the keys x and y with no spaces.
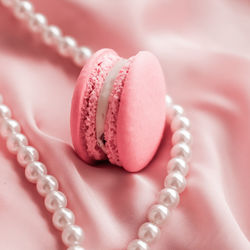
{"x":84,"y":104}
{"x":90,"y":101}
{"x":112,"y":114}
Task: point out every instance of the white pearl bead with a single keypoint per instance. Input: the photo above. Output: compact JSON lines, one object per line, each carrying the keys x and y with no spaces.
{"x":55,"y":200}
{"x":37,"y":22}
{"x":63,"y":217}
{"x":181,"y":150}
{"x":46,"y":184}
{"x":15,"y":141}
{"x":178,"y":164}
{"x":76,"y":248}
{"x":23,"y":9}
{"x":182,"y":135}
{"x":148,"y":232}
{"x":27,"y":154}
{"x":81,"y":55}
{"x":72,"y":235}
{"x":138,"y":245}
{"x":173,"y":111}
{"x":176,"y":181}
{"x":9,"y":126}
{"x":169,"y":197}
{"x":66,"y":46}
{"x":34,"y":171}
{"x":4,"y":111}
{"x":158,"y":214}
{"x":180,"y":122}
{"x":51,"y":35}
{"x":168,"y":100}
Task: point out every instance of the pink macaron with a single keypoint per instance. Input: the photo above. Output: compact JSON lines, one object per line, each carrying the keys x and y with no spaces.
{"x":118,"y":109}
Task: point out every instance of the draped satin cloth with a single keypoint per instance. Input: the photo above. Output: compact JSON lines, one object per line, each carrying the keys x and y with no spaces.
{"x":204,"y":49}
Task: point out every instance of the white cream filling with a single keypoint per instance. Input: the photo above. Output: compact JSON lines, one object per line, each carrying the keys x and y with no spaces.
{"x":102,"y":105}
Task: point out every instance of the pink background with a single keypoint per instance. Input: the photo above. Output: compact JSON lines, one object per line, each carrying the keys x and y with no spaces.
{"x":204,"y":49}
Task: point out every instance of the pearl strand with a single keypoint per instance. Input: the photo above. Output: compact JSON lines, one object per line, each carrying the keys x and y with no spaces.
{"x":47,"y":186}
{"x":55,"y":201}
{"x":175,"y":181}
{"x":66,"y":46}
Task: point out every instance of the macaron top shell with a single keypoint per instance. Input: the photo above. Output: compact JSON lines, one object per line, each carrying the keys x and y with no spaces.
{"x":141,"y":117}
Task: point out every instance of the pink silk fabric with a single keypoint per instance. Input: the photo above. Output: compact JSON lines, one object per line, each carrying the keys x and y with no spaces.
{"x":204,"y":49}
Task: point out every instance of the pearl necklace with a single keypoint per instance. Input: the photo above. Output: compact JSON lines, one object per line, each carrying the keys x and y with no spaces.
{"x":47,"y":185}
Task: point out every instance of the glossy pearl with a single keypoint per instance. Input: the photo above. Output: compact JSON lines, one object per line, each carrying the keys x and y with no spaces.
{"x":27,"y":154}
{"x":168,"y":100}
{"x":46,"y":184}
{"x":63,"y":217}
{"x":178,"y":164}
{"x":76,"y":248}
{"x":138,"y":245}
{"x":173,"y":111}
{"x":55,"y":200}
{"x":4,"y":111}
{"x":180,"y":122}
{"x":23,"y":9}
{"x":72,"y":235}
{"x":81,"y":55}
{"x":34,"y":171}
{"x":37,"y":22}
{"x":67,"y":46}
{"x":182,"y":135}
{"x":51,"y":35}
{"x":15,"y":142}
{"x":176,"y":181}
{"x":169,"y":197}
{"x":181,"y":150}
{"x":9,"y":126}
{"x":158,"y":214}
{"x":148,"y":232}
